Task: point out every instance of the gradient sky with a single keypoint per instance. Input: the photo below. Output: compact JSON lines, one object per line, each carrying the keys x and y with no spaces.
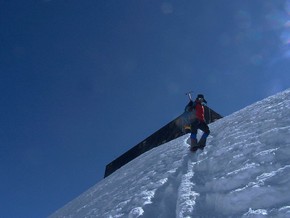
{"x":83,"y":81}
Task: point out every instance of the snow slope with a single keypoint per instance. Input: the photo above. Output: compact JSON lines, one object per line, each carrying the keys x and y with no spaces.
{"x":243,"y":172}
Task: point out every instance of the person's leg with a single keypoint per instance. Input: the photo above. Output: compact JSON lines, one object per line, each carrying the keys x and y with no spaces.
{"x":194,"y":127}
{"x":204,"y":127}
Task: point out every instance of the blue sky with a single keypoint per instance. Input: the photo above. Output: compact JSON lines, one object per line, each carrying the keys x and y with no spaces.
{"x":83,"y":81}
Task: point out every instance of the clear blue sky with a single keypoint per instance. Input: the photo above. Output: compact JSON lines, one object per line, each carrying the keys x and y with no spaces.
{"x":83,"y":81}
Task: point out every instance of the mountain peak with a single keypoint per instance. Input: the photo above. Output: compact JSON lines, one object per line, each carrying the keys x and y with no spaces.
{"x":242,"y":172}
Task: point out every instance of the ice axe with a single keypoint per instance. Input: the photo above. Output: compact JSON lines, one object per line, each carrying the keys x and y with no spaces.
{"x":189,"y":95}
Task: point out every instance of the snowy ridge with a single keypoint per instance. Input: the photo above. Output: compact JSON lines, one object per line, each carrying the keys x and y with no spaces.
{"x":243,"y":172}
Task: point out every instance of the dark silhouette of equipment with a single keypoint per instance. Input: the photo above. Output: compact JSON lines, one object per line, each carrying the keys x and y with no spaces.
{"x":170,"y":131}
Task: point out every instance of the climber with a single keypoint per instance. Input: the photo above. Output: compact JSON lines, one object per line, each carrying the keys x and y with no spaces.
{"x":197,"y":121}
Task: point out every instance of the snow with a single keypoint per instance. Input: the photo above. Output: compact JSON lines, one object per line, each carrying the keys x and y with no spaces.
{"x":242,"y":172}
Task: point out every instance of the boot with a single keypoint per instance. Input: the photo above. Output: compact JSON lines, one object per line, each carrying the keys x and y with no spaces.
{"x":193,"y":142}
{"x":193,"y":145}
{"x":202,"y":142}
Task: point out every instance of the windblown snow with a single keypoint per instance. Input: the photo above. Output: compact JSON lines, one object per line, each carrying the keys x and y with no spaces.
{"x":244,"y":171}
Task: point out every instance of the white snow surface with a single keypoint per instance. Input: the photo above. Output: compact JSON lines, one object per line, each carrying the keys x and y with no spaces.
{"x":244,"y":171}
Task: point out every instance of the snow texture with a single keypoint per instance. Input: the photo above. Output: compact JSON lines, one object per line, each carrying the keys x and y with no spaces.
{"x":242,"y":172}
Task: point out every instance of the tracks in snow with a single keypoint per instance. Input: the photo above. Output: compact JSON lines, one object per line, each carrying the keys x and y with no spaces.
{"x":180,"y":196}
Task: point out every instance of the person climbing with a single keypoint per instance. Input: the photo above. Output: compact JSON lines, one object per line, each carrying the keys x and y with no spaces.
{"x":197,"y":121}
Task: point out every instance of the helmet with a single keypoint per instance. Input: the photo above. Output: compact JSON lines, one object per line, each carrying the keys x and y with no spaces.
{"x":201,"y":98}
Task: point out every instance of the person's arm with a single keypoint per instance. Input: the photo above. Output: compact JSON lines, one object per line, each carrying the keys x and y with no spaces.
{"x":190,"y":106}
